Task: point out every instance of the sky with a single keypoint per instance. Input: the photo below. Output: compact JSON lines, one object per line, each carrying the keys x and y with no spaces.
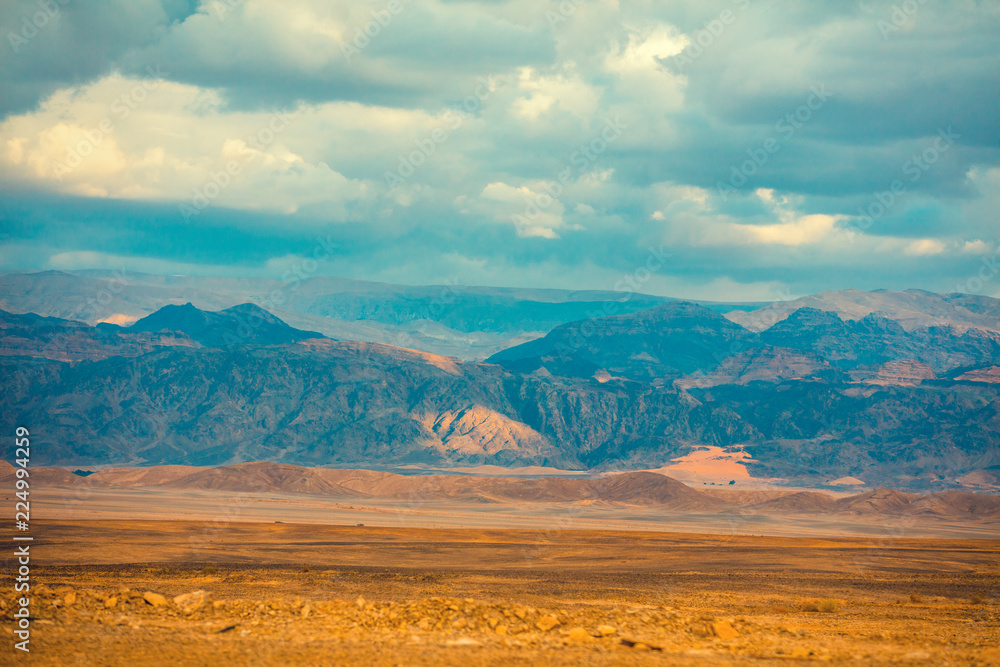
{"x":732,"y":150}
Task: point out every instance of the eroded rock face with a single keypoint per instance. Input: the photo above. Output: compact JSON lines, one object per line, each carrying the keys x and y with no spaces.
{"x":905,"y":372}
{"x":989,"y":375}
{"x":770,"y":364}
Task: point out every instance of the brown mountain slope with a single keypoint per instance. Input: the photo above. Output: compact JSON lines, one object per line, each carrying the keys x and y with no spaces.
{"x":261,"y":477}
{"x":645,"y":489}
{"x":878,"y":501}
{"x":803,"y":502}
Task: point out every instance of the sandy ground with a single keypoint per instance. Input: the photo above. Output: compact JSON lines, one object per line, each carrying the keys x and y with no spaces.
{"x":417,"y":512}
{"x":284,"y":593}
{"x":276,"y":579}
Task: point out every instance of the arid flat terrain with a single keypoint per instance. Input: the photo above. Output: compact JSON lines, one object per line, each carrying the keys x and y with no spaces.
{"x":129,"y":593}
{"x":276,"y":564}
{"x":267,"y":492}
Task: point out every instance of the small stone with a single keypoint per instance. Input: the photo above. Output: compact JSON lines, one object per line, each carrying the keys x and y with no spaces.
{"x":606,"y":630}
{"x":501,"y":629}
{"x":191,"y":602}
{"x":360,"y":602}
{"x":917,"y":655}
{"x":801,"y":653}
{"x":579,"y":635}
{"x":70,"y":598}
{"x":724,"y":630}
{"x":546,"y":623}
{"x":109,"y":603}
{"x":306,"y":610}
{"x":462,"y":641}
{"x":154,"y":599}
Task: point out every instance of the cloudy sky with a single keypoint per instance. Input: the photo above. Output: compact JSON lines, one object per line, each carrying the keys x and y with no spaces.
{"x":766,"y":148}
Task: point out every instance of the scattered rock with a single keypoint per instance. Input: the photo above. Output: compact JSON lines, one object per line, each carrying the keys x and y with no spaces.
{"x":724,"y":630}
{"x":191,"y":602}
{"x":306,"y":610}
{"x":546,"y":623}
{"x":154,"y":599}
{"x":109,"y":603}
{"x":639,"y":646}
{"x":579,"y":635}
{"x":606,"y":630}
{"x":69,"y":598}
{"x":501,"y":629}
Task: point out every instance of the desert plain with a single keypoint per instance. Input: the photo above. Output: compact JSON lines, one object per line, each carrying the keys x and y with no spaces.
{"x":134,"y":568}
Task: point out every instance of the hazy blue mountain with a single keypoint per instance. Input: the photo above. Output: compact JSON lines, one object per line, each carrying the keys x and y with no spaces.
{"x":457,"y":320}
{"x":243,"y":324}
{"x":912,"y":309}
{"x":662,"y":344}
{"x":658,"y":344}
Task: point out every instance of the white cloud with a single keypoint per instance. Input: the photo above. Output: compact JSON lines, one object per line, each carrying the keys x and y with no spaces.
{"x":533,"y":212}
{"x":977,"y":247}
{"x":924,"y":247}
{"x":544,"y":93}
{"x":160,"y":140}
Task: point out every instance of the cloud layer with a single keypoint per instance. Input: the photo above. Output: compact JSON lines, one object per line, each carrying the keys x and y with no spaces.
{"x":770,"y":150}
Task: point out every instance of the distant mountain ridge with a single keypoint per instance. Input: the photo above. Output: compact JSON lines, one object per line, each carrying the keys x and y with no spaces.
{"x":470,"y":323}
{"x":812,"y":398}
{"x":663,"y":344}
{"x":243,"y":324}
{"x":912,"y":309}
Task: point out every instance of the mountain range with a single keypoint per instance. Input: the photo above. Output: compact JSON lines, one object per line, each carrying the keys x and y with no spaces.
{"x":809,"y":399}
{"x":469,"y":323}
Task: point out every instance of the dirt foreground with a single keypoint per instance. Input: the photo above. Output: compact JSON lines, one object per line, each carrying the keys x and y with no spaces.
{"x":191,"y":593}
